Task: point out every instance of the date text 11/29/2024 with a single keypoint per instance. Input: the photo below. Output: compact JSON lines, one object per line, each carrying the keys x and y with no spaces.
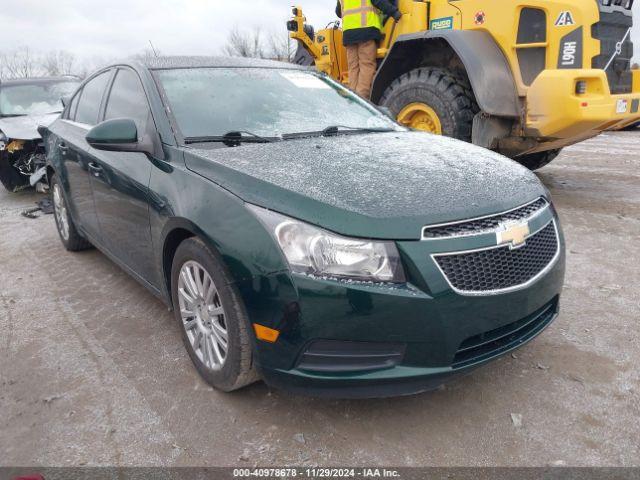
{"x":312,"y":472}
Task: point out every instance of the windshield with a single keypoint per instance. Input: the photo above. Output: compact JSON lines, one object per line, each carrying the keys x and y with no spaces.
{"x":209,"y":102}
{"x":34,"y":99}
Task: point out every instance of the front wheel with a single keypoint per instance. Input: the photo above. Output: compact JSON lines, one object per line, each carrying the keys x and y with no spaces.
{"x":71,"y":239}
{"x":434,"y":100}
{"x":212,"y":317}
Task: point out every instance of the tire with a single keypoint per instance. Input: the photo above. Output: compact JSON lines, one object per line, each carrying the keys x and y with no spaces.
{"x":237,"y":369}
{"x":537,"y":160}
{"x":450,"y":97}
{"x":71,"y":239}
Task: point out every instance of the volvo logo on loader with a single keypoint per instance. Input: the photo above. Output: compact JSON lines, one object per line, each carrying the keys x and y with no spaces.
{"x":514,"y":234}
{"x":565,"y":19}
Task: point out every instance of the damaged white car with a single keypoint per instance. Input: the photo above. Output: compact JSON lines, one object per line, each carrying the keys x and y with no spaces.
{"x":25,"y":105}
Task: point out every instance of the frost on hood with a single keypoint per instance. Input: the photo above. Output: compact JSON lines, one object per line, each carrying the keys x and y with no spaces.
{"x":388,"y":175}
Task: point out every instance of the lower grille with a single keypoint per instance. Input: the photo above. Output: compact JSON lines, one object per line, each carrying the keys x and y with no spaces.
{"x":489,"y":344}
{"x":502,"y":268}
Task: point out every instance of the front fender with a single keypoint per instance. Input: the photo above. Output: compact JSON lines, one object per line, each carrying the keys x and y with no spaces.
{"x":187,"y":202}
{"x":485,"y":64}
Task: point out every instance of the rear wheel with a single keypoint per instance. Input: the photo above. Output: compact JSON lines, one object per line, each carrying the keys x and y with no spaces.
{"x":212,"y":317}
{"x":71,"y":239}
{"x":434,"y":100}
{"x":537,"y":160}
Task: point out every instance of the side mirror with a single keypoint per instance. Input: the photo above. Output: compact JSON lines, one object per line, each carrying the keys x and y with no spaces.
{"x":118,"y":135}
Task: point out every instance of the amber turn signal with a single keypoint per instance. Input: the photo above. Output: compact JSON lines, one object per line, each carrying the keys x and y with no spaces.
{"x":266,"y":334}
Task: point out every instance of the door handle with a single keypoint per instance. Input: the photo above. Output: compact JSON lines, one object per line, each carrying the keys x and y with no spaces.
{"x":95,"y":169}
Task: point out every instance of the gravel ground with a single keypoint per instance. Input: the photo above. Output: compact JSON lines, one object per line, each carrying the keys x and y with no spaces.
{"x":93,"y":371}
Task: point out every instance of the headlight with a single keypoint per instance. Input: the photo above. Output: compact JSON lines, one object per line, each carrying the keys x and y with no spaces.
{"x":313,"y":251}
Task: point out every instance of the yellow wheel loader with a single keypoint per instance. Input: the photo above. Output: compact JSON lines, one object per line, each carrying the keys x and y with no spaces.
{"x":524,"y":78}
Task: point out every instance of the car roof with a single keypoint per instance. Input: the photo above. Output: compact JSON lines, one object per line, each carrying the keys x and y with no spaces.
{"x":180,"y":62}
{"x":39,"y":80}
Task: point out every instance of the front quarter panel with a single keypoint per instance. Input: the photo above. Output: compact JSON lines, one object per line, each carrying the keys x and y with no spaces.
{"x":182,"y":199}
{"x":54,"y":136}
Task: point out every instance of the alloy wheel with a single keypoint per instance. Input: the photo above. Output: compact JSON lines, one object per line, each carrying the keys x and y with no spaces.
{"x":60,"y":209}
{"x":203,"y":315}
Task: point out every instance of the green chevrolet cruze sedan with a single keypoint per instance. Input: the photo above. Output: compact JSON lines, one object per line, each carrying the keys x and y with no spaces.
{"x":299,"y":235}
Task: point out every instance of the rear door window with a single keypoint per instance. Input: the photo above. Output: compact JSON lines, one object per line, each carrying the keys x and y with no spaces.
{"x":91,"y":99}
{"x":128,"y":100}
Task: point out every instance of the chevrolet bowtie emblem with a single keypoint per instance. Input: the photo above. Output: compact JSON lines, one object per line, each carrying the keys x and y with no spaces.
{"x":514,"y":234}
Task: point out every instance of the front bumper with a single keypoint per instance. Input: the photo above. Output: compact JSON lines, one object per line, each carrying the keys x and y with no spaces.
{"x":406,"y":379}
{"x":422,"y":333}
{"x":557,"y":113}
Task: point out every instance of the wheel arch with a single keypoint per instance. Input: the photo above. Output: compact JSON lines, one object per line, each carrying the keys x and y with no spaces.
{"x":50,"y":173}
{"x":176,"y":232}
{"x":471,"y":54}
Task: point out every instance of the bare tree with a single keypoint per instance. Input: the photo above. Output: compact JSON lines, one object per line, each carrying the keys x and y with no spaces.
{"x":89,"y":65}
{"x":20,"y":63}
{"x":146,"y":54}
{"x":241,"y":43}
{"x":58,"y":62}
{"x":281,"y":47}
{"x":255,"y":44}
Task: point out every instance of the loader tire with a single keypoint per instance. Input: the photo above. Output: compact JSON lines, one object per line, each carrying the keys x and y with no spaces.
{"x":434,"y":100}
{"x":537,"y":160}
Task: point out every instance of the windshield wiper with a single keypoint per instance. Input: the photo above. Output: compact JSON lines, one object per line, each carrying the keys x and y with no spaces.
{"x":334,"y":130}
{"x":11,"y":115}
{"x":231,"y":139}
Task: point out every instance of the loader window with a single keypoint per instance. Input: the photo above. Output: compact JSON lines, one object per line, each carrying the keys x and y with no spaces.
{"x":266,"y":102}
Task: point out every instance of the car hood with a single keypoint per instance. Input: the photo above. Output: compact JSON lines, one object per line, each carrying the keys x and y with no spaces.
{"x":25,"y":128}
{"x":377,"y":186}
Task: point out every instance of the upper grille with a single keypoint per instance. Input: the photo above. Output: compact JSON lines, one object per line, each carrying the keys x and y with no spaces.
{"x":481,"y":225}
{"x":501,"y":268}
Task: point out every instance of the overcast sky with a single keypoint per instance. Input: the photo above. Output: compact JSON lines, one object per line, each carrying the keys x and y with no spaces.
{"x":118,"y":28}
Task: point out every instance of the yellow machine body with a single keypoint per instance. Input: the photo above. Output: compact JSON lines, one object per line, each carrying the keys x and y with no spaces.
{"x":559,"y":98}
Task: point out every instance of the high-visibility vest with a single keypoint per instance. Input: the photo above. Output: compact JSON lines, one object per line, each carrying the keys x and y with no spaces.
{"x":360,"y":14}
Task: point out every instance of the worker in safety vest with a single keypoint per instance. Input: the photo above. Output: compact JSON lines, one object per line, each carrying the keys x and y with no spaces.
{"x":362,"y":27}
